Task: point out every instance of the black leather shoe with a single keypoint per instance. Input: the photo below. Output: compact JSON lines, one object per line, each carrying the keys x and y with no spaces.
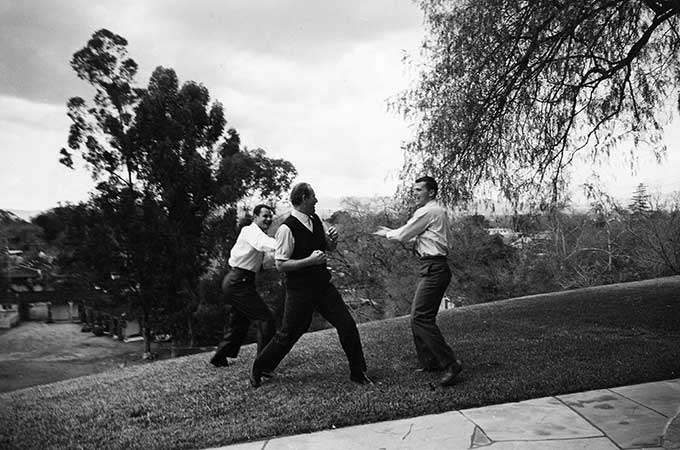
{"x":430,"y":369}
{"x":219,"y":362}
{"x":360,"y":378}
{"x":452,"y":372}
{"x":255,"y":379}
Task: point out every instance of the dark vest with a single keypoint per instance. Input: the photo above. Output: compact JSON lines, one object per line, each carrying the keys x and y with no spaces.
{"x":305,"y":243}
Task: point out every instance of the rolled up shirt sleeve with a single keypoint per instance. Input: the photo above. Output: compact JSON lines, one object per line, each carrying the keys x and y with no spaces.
{"x":285,"y":243}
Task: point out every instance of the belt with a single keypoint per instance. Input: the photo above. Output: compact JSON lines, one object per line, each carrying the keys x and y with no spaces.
{"x":244,"y":272}
{"x":433,"y":258}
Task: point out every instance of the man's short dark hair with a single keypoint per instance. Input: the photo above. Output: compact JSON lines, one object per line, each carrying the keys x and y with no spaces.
{"x":258,"y":208}
{"x":299,"y":192}
{"x":430,"y":183}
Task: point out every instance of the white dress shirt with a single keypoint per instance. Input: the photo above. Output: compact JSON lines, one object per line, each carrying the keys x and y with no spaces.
{"x":250,"y":247}
{"x":430,"y":228}
{"x":285,"y":242}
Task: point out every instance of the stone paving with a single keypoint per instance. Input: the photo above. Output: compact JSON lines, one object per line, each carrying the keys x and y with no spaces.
{"x":644,"y":416}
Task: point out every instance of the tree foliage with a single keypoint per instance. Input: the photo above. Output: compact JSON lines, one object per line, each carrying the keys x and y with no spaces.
{"x":164,"y":196}
{"x":640,"y":201}
{"x":244,"y":171}
{"x":17,"y":234}
{"x":511,"y":92}
{"x":100,"y":131}
{"x":369,"y":266}
{"x":387,"y":271}
{"x":551,"y":251}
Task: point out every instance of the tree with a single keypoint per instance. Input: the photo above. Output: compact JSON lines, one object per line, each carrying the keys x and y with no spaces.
{"x":640,"y":201}
{"x":4,"y":274}
{"x":653,"y":236}
{"x":369,"y":266}
{"x":176,"y":129}
{"x":51,"y":223}
{"x":4,"y":256}
{"x":158,"y":155}
{"x":17,"y":234}
{"x":481,"y":263}
{"x":511,"y":92}
{"x":101,"y":132}
{"x":102,"y":136}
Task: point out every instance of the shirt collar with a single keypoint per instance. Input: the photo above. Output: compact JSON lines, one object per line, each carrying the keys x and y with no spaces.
{"x":429,"y":204}
{"x":302,"y":217}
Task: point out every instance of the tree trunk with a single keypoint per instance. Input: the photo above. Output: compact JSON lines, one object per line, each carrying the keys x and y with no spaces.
{"x":609,"y":249}
{"x":190,"y":328}
{"x":146,"y":332}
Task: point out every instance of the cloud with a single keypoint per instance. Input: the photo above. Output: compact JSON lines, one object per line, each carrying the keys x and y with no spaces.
{"x":306,"y":81}
{"x":203,"y":40}
{"x":30,"y":175}
{"x":293,"y":29}
{"x":38,"y":39}
{"x":331,"y":122}
{"x":328,"y":118}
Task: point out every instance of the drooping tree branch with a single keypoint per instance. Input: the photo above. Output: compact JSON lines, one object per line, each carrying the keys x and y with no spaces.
{"x":513,"y":91}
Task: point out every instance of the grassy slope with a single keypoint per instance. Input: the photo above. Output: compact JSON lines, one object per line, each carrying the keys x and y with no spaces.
{"x":513,"y":350}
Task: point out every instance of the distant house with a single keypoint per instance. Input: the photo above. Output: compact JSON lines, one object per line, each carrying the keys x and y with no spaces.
{"x":543,"y":236}
{"x":521,"y":242}
{"x":539,"y":237}
{"x":23,"y":278}
{"x":506,"y":233}
{"x":15,"y":253}
{"x":9,"y":315}
{"x":454,"y":301}
{"x":25,"y":275}
{"x":446,"y":303}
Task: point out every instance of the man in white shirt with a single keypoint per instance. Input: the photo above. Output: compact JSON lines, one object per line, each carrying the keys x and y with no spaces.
{"x":429,"y":226}
{"x":245,"y":260}
{"x":301,"y":243}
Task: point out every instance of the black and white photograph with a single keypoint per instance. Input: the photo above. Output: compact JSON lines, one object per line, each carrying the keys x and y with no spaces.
{"x":296,"y":224}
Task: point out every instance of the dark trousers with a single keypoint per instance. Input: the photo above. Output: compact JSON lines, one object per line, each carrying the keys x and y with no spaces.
{"x":297,"y":315}
{"x":246,"y":306}
{"x":431,"y":348}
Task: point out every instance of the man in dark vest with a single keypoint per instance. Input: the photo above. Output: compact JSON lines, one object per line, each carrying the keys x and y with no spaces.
{"x":301,"y":243}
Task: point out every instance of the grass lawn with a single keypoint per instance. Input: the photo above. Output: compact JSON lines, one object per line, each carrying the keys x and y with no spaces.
{"x":512,"y":350}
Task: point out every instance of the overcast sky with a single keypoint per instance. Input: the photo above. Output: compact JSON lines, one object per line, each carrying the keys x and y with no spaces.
{"x":305,"y":80}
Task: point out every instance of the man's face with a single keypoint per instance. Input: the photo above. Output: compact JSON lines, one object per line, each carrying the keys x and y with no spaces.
{"x":421,"y":193}
{"x":308,"y":203}
{"x":264,"y":219}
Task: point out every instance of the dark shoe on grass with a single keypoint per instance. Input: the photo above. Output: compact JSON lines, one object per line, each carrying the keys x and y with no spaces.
{"x":360,"y":378}
{"x":429,"y":369}
{"x":451,"y":374}
{"x":255,"y":379}
{"x":219,"y":362}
